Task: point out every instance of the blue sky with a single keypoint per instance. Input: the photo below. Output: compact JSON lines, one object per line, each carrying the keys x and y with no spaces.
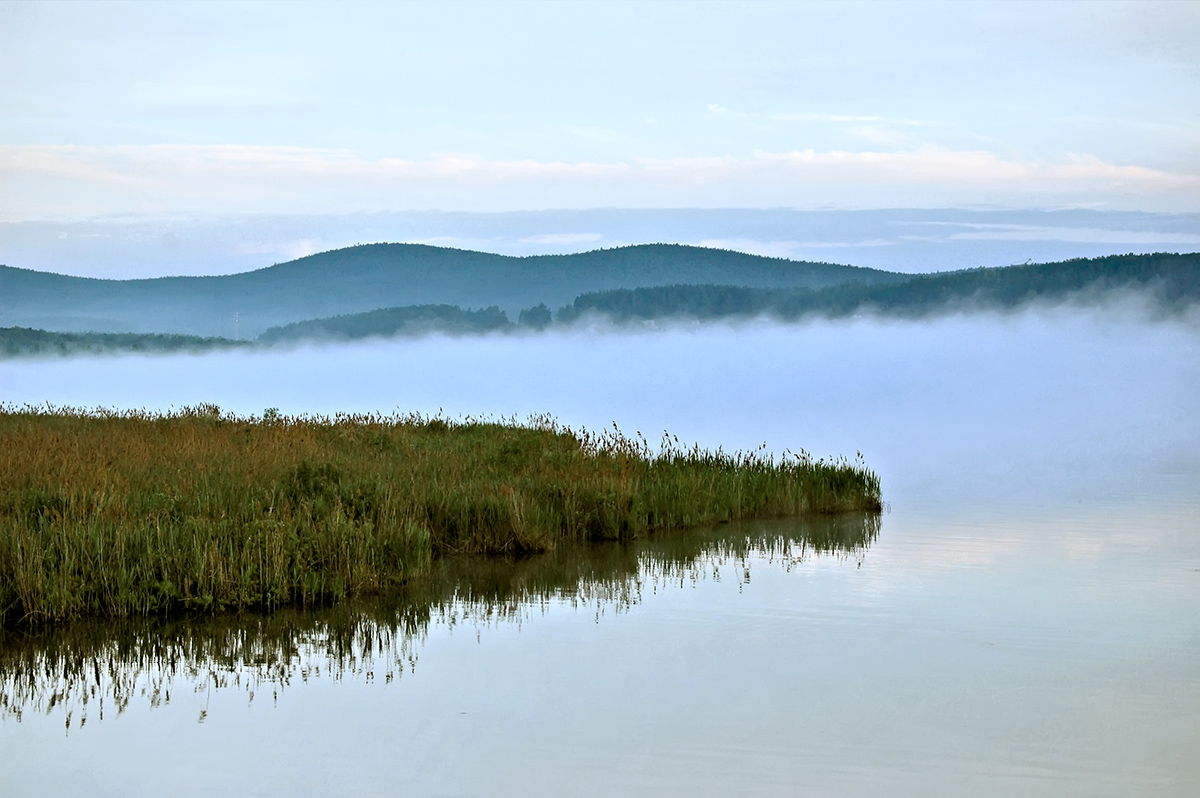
{"x":192,"y":109}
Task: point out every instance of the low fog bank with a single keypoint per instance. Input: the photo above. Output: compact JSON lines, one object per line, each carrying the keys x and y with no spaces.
{"x":920,"y":298}
{"x":1158,"y":287}
{"x":1043,"y":408}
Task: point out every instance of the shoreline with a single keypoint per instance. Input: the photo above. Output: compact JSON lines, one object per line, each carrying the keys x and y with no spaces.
{"x":107,"y":514}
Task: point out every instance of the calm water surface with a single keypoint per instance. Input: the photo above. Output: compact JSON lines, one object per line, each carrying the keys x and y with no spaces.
{"x":1025,"y":620}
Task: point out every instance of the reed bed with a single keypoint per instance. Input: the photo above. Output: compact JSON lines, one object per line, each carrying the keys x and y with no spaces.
{"x":128,"y":514}
{"x":83,"y":670}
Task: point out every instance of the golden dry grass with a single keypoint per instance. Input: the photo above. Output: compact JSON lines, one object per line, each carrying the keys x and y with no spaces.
{"x":128,"y":514}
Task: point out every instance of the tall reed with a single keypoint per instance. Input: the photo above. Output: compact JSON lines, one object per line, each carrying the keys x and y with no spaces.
{"x":132,"y":513}
{"x":83,"y":670}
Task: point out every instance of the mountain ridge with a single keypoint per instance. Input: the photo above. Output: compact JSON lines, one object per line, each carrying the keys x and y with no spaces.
{"x":1167,"y":284}
{"x":369,"y":277}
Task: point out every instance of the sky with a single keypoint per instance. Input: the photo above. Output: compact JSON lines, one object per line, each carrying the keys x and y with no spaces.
{"x":185,"y":110}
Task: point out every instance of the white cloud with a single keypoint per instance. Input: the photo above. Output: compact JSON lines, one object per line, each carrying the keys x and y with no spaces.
{"x":40,"y":181}
{"x":290,"y":250}
{"x":1075,"y":235}
{"x":564,"y":239}
{"x":788,"y":249}
{"x":843,"y":119}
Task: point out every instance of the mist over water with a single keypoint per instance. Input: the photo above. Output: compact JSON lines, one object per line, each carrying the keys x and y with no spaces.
{"x":1044,"y":406}
{"x":1022,"y":622}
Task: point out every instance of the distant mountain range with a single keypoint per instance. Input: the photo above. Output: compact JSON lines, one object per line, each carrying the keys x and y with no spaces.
{"x":1167,"y":282}
{"x":370,"y":277}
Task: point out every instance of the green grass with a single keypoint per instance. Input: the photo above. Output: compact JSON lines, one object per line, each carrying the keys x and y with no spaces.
{"x":84,"y":669}
{"x":138,"y":514}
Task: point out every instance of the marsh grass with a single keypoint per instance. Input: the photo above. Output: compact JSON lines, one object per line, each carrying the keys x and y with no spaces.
{"x":129,"y":514}
{"x":85,"y":669}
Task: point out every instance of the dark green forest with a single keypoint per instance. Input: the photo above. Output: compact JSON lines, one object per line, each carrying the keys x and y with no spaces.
{"x":22,"y":341}
{"x":410,"y":320}
{"x":367,"y":278}
{"x":1169,"y":283}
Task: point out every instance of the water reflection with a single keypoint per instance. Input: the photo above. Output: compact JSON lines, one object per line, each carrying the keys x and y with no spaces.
{"x":87,"y":670}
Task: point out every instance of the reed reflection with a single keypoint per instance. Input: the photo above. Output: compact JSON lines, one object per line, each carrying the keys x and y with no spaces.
{"x":88,"y":670}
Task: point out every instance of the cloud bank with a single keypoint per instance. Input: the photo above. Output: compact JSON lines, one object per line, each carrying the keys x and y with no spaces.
{"x":63,"y":181}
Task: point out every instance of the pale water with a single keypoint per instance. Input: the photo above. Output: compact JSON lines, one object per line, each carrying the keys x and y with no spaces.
{"x":1025,"y":620}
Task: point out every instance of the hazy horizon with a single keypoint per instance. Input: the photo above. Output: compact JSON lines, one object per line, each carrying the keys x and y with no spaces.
{"x":902,"y":240}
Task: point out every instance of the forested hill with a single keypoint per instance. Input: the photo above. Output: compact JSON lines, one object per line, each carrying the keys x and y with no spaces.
{"x":23,"y":342}
{"x":1169,"y":282}
{"x":407,"y":320}
{"x":370,"y":277}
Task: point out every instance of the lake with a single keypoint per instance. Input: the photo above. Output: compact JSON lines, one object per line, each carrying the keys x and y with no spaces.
{"x":1025,"y":619}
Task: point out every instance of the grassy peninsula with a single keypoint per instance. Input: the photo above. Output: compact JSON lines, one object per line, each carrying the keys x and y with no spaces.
{"x":137,"y":514}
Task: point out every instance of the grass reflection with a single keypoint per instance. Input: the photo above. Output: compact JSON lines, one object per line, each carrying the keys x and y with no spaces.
{"x":128,"y":514}
{"x":88,"y":669}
